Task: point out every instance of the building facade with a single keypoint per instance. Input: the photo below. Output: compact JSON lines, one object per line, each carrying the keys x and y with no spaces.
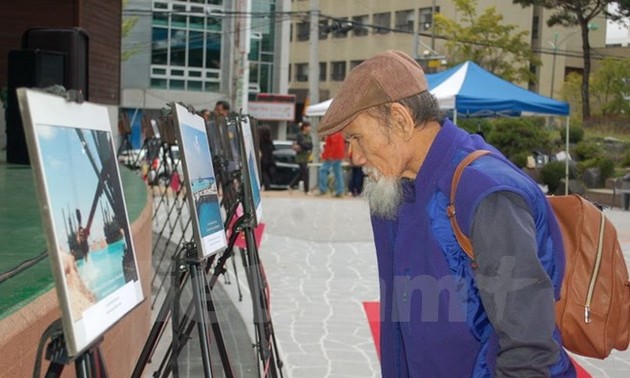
{"x":407,"y":25}
{"x":185,"y":50}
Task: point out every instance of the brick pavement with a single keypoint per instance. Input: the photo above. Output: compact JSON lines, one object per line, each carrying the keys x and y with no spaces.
{"x":320,"y":263}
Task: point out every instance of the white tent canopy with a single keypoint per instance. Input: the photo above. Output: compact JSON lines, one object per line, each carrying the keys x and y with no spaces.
{"x":318,"y":110}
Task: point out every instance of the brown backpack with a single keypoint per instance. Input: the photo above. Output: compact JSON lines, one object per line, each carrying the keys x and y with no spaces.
{"x":593,"y":312}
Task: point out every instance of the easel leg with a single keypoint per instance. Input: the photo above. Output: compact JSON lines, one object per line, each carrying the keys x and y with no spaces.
{"x":216,"y":328}
{"x":196,"y":276}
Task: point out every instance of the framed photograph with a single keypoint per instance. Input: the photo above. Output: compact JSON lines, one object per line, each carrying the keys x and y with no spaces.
{"x":201,"y":183}
{"x":84,"y":214}
{"x":249,"y":157}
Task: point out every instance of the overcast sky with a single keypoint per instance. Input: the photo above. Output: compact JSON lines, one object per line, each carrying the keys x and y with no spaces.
{"x":616,"y":31}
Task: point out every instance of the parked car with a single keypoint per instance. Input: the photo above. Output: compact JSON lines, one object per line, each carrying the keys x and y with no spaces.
{"x":287,"y":170}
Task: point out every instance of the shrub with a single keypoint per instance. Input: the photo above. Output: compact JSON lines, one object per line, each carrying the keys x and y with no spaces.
{"x":551,"y":174}
{"x":475,"y":125}
{"x":625,"y":161}
{"x":576,"y":133}
{"x":587,"y":149}
{"x":513,"y":136}
{"x":520,"y":159}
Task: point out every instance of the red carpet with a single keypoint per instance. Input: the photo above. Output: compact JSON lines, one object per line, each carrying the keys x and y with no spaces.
{"x":373,"y":313}
{"x":240,"y":240}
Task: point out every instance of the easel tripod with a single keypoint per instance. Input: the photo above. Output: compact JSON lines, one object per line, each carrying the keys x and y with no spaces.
{"x":88,"y":364}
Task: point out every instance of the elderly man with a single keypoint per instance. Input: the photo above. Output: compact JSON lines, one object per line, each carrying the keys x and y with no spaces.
{"x":443,"y":314}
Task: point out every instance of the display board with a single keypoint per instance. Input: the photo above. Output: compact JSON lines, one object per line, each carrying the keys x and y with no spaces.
{"x":84,"y":213}
{"x":251,"y":179}
{"x":201,"y":184}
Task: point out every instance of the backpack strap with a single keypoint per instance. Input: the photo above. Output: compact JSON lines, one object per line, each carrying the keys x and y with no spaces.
{"x":462,"y":239}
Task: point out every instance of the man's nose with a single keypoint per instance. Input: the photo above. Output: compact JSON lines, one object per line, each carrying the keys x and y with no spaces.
{"x":358,"y":158}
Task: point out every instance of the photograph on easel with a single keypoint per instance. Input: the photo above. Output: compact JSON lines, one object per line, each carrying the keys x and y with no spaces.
{"x":250,"y":172}
{"x":202,"y":191}
{"x":84,"y":214}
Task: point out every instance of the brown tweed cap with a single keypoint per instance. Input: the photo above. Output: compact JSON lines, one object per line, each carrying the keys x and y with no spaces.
{"x":386,"y":77}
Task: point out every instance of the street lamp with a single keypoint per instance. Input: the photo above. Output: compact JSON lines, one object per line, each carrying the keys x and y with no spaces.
{"x":555,"y":44}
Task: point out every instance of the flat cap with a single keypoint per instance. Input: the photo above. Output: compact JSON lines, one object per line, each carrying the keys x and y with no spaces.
{"x":386,"y":77}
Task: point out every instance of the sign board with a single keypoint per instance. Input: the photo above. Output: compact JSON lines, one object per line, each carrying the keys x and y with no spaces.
{"x":272,"y":111}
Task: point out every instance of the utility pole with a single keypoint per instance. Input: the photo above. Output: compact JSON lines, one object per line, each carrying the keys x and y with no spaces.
{"x":433,"y":25}
{"x":553,"y":64}
{"x":243,"y":27}
{"x":313,"y":82}
{"x":313,"y":64}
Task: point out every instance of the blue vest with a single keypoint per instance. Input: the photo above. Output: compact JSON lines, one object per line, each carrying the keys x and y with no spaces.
{"x":432,"y":321}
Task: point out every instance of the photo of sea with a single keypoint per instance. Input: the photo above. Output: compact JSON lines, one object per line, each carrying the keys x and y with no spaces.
{"x":102,"y":273}
{"x":202,"y":179}
{"x":90,"y":226}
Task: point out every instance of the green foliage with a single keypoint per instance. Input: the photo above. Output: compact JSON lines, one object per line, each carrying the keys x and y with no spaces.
{"x":576,"y":134}
{"x":520,"y":159}
{"x":588,"y":149}
{"x":571,"y":13}
{"x":475,"y":125}
{"x":625,"y":161}
{"x":551,"y":174}
{"x":605,"y":165}
{"x":484,"y":38}
{"x":128,"y":23}
{"x":514,"y":136}
{"x":571,"y":93}
{"x":609,"y":86}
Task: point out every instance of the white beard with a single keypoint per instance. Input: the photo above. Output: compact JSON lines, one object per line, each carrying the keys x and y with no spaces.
{"x":384,"y":194}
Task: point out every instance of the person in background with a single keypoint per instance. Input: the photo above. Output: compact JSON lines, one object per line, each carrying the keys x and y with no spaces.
{"x":222,"y":108}
{"x":267,"y":162}
{"x":355,"y":184}
{"x":332,"y":156}
{"x":443,"y":313}
{"x":304,"y":143}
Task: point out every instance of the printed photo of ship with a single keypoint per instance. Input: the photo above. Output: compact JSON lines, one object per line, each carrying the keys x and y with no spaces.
{"x":89,"y":218}
{"x":203,"y":184}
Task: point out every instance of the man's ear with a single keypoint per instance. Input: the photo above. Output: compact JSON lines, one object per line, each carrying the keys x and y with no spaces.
{"x":402,"y":121}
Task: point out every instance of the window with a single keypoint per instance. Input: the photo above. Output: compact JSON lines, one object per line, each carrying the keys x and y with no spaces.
{"x":336,"y":28}
{"x":535,"y":26}
{"x":303,"y":30}
{"x":404,"y":20}
{"x":301,"y":72}
{"x":185,"y":46}
{"x":359,"y":28}
{"x":322,"y":71}
{"x":382,"y":22}
{"x":425,"y":21}
{"x":354,"y":63}
{"x":338,"y":71}
{"x":323,"y":29}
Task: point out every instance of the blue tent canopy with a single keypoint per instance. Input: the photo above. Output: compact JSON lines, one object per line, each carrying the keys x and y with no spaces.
{"x":471,"y":91}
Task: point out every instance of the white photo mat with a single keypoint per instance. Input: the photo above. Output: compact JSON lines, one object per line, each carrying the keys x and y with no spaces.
{"x":201,"y":183}
{"x":84,"y":214}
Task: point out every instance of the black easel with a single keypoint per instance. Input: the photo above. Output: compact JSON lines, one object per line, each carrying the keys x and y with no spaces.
{"x":183,"y":268}
{"x":88,"y":364}
{"x":265,"y":335}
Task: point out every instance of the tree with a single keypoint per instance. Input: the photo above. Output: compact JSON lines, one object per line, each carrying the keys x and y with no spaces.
{"x":609,"y":87}
{"x":484,"y":39}
{"x":128,"y":23}
{"x":580,"y":13}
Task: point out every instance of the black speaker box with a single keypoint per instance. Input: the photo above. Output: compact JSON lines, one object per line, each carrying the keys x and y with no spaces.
{"x":73,"y":42}
{"x":31,"y":69}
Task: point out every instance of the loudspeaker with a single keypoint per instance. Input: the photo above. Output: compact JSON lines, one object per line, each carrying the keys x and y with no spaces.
{"x":31,"y":69}
{"x":73,"y":42}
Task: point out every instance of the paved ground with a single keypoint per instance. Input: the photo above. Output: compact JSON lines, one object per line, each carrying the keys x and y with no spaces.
{"x":320,"y":262}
